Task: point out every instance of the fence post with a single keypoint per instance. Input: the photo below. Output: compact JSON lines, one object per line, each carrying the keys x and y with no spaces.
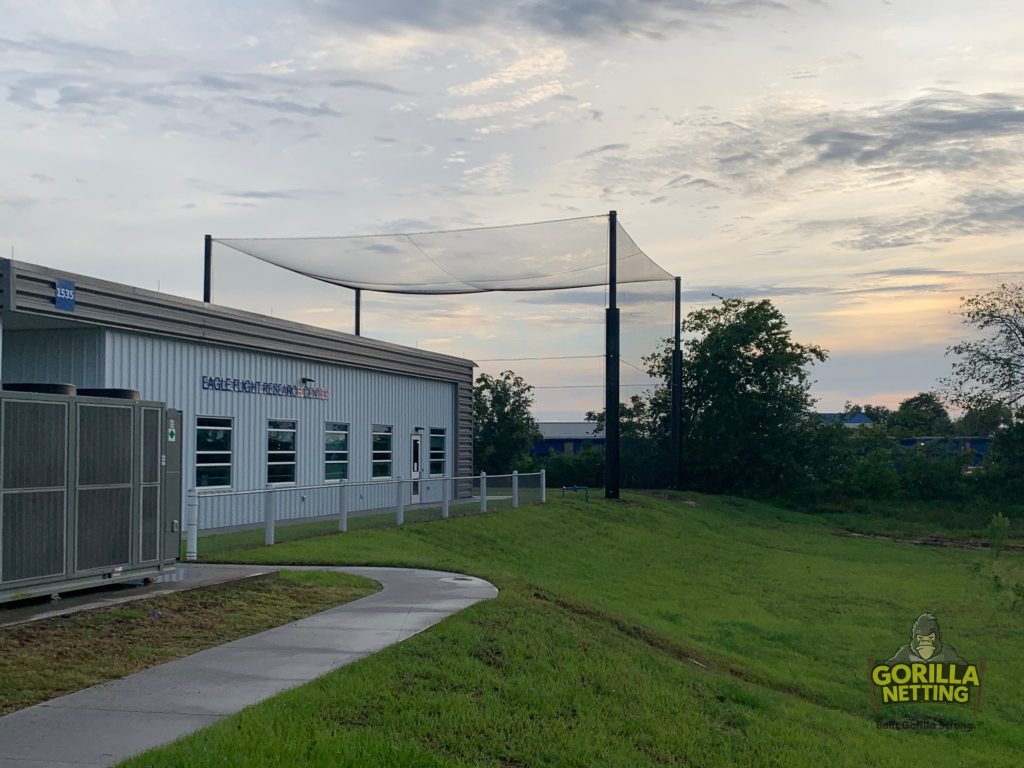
{"x":268,"y":516}
{"x":444,"y":497}
{"x":192,"y":526}
{"x":543,"y":486}
{"x":483,"y":491}
{"x":400,"y":506}
{"x":515,"y":489}
{"x":342,"y":506}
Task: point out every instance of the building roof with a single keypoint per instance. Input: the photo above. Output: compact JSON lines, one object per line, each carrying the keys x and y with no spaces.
{"x":569,"y":430}
{"x":27,"y":294}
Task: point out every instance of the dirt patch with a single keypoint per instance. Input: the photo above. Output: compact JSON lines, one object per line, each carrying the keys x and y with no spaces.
{"x":931,"y":541}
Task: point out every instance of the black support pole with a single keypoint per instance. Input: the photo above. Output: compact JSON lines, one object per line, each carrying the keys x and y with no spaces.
{"x":677,"y":399}
{"x":359,"y":310}
{"x":208,"y":270}
{"x":612,"y":472}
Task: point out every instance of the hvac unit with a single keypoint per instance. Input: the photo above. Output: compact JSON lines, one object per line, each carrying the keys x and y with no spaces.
{"x":90,"y":489}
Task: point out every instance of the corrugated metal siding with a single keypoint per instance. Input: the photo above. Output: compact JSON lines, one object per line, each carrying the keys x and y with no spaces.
{"x":171,"y":371}
{"x":65,"y":356}
{"x":464,"y":407}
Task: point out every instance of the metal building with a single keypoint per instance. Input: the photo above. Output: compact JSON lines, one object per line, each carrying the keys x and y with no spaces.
{"x":264,"y":400}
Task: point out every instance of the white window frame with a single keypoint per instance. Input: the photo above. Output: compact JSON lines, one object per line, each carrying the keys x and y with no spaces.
{"x":231,"y":453}
{"x":295,"y":453}
{"x":432,"y":454}
{"x":382,"y":429}
{"x":347,"y":432}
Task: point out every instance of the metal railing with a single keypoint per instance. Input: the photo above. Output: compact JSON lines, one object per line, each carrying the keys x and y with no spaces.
{"x":369,"y":503}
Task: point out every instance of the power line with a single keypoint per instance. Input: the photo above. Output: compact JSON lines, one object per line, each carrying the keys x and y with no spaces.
{"x":624,"y":360}
{"x":587,"y":386}
{"x":555,"y":357}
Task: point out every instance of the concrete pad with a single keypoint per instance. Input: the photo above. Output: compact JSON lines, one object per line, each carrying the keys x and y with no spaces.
{"x":107,"y":723}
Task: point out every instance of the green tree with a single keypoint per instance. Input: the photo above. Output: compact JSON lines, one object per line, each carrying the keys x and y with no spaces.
{"x":504,"y":430}
{"x":583,"y":468}
{"x":644,"y":447}
{"x":983,"y":420}
{"x":748,"y":424}
{"x":873,"y":475}
{"x":1003,"y":470}
{"x":990,"y":368}
{"x":921,"y":415}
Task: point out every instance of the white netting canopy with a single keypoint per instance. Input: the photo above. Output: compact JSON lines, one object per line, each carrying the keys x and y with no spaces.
{"x":550,"y":255}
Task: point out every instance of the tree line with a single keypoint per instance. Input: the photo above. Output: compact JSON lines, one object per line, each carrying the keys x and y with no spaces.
{"x":749,"y":426}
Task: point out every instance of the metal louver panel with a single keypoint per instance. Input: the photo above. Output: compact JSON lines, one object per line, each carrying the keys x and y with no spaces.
{"x":150,"y":521}
{"x":33,"y":535}
{"x":35,"y":441}
{"x":104,"y":445}
{"x":104,"y":527}
{"x":151,"y":441}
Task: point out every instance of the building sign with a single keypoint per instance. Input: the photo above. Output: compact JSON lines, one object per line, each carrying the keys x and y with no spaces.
{"x":250,"y":387}
{"x":927,"y":669}
{"x":64,"y":294}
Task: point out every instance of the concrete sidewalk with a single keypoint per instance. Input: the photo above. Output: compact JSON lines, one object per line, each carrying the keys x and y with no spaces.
{"x":107,"y":723}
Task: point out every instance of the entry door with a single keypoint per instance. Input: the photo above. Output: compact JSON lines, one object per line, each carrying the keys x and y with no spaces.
{"x":415,"y":476}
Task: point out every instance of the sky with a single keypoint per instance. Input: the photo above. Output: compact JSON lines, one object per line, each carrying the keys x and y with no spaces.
{"x":859,"y":163}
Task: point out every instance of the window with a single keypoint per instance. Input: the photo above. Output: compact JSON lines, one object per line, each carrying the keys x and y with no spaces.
{"x":436,"y":451}
{"x":335,"y":451}
{"x":281,"y":451}
{"x":213,"y":452}
{"x":381,"y":451}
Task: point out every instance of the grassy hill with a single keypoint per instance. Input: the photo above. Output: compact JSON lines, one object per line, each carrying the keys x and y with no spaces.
{"x":685,"y":630}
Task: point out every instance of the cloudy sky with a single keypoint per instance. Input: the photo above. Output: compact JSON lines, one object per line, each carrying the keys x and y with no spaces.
{"x":860,"y":162}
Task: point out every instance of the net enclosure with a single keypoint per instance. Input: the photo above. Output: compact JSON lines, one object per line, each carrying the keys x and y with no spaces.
{"x":550,"y":287}
{"x":550,"y":255}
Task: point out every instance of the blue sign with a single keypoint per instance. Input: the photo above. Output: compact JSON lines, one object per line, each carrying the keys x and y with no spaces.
{"x":64,"y":295}
{"x":251,"y":387}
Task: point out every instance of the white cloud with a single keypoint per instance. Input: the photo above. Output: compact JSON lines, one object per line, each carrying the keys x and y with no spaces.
{"x":532,"y":64}
{"x":514,"y":103}
{"x":495,"y":176}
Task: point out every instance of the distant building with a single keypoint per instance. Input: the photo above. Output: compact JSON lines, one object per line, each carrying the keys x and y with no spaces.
{"x":567,"y":437}
{"x":847,"y":420}
{"x":977,"y":447}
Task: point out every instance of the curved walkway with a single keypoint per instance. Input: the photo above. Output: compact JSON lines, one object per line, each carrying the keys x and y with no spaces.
{"x":107,"y":723}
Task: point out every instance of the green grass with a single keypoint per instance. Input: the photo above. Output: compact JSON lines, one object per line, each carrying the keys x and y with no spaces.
{"x":43,"y":659}
{"x":213,"y":548}
{"x":647,"y":632}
